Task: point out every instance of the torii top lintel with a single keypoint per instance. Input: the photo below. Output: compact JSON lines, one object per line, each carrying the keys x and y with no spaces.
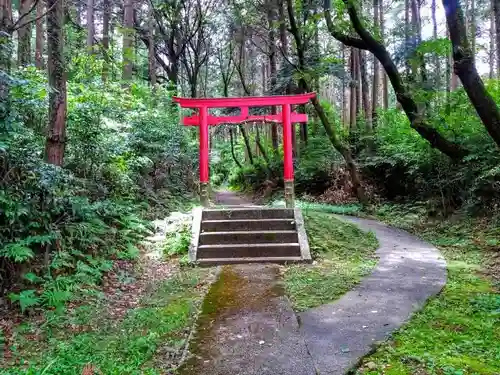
{"x":244,"y":101}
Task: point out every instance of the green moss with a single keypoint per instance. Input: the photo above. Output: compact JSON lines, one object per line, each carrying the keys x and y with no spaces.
{"x":458,"y":332}
{"x":343,"y":255}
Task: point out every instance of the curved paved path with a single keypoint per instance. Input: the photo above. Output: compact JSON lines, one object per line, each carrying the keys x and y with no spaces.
{"x":248,"y":327}
{"x":409,"y":272}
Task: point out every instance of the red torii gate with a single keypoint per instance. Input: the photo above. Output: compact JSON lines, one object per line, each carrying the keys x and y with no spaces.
{"x":203,"y":120}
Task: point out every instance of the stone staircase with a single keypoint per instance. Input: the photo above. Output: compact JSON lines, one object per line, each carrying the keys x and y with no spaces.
{"x":248,"y":235}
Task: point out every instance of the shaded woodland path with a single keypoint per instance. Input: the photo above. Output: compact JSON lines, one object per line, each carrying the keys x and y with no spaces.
{"x":247,"y":325}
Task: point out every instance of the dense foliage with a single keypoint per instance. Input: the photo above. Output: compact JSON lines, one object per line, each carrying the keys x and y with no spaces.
{"x":126,"y":159}
{"x":399,"y":164}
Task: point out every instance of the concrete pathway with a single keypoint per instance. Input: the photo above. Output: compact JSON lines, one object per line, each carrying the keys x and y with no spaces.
{"x":247,"y":326}
{"x":229,"y":198}
{"x":409,"y":271}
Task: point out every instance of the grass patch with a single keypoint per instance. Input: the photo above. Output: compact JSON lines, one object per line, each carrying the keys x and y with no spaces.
{"x":140,"y":343}
{"x":343,"y":254}
{"x":347,"y":209}
{"x":458,"y":332}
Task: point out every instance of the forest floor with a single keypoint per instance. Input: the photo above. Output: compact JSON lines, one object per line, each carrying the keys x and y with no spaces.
{"x":138,"y":320}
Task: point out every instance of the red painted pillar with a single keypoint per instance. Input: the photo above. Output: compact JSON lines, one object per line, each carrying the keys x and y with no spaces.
{"x":288,"y":155}
{"x":204,"y":174}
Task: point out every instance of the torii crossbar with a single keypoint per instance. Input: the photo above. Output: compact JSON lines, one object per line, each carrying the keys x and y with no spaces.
{"x":285,"y":116}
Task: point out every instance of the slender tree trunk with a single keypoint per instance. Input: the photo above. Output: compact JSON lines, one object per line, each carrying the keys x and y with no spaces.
{"x":496,"y":11}
{"x":151,"y":50}
{"x":24,"y":34}
{"x":454,"y":77}
{"x":352,"y":92}
{"x":385,"y":86}
{"x":408,"y":37}
{"x":128,"y":39}
{"x":233,"y":154}
{"x":491,"y":53}
{"x":437,"y":65}
{"x":247,"y":143}
{"x":376,"y":69}
{"x":260,"y":147}
{"x":465,"y":68}
{"x":344,"y":87}
{"x":5,"y":56}
{"x":106,"y":17}
{"x":271,"y":19}
{"x":56,"y":129}
{"x":39,"y":39}
{"x":365,"y":92}
{"x":359,"y":96}
{"x":449,"y":75}
{"x":90,"y":25}
{"x":473,"y":29}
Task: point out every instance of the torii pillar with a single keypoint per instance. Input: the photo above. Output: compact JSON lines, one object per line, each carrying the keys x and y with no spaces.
{"x":203,"y":120}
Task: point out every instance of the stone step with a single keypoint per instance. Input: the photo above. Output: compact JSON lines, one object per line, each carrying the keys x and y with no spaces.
{"x":247,"y":225}
{"x":248,"y":250}
{"x":249,"y":237}
{"x":248,"y":213}
{"x":281,"y":260}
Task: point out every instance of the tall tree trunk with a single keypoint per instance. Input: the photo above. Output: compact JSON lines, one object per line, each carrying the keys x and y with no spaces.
{"x":151,"y":49}
{"x":5,"y":56}
{"x":344,"y":87}
{"x":247,"y":143}
{"x":106,"y":17}
{"x":376,"y":69}
{"x":448,"y":78}
{"x":128,"y":39}
{"x":365,"y":92}
{"x":283,"y":29}
{"x":408,"y":37}
{"x":465,"y":68}
{"x":233,"y":154}
{"x":453,"y":77}
{"x":385,"y":86}
{"x":352,"y":92}
{"x":496,"y":11}
{"x":472,"y":29}
{"x":56,"y":129}
{"x":90,"y":25}
{"x":271,"y":20}
{"x":491,"y":53}
{"x":39,"y":39}
{"x":357,"y":69}
{"x":24,"y":34}
{"x":437,"y":65}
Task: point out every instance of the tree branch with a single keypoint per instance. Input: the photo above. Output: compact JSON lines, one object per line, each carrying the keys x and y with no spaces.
{"x":345,"y":39}
{"x":16,"y":26}
{"x":415,"y":114}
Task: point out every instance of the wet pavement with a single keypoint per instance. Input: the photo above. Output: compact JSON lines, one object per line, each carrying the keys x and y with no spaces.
{"x":247,"y":327}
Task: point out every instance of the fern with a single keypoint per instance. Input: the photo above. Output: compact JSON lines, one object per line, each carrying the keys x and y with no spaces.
{"x":17,"y":252}
{"x":26,"y":299}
